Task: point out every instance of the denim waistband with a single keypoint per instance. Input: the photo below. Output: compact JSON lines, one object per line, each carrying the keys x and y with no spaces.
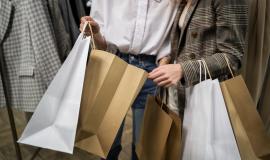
{"x":141,"y":57}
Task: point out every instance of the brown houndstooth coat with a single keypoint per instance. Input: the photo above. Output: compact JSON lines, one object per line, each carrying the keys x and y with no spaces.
{"x":211,"y":29}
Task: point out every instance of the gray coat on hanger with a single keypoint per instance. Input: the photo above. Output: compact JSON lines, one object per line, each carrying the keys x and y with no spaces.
{"x":5,"y":13}
{"x":30,"y":51}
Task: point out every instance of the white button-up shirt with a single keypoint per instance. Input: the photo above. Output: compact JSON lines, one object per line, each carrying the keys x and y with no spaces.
{"x":136,"y":26}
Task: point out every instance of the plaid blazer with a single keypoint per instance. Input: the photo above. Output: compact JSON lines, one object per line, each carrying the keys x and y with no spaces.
{"x":30,"y":51}
{"x":211,"y":29}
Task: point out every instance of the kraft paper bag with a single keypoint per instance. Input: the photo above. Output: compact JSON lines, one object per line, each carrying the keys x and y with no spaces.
{"x":110,"y":88}
{"x":207,"y":131}
{"x":249,"y":130}
{"x":160,"y":137}
{"x":173,"y":145}
{"x":54,"y":123}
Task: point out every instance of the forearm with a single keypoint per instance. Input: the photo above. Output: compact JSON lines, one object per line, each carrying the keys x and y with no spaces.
{"x":100,"y":41}
{"x":216,"y":64}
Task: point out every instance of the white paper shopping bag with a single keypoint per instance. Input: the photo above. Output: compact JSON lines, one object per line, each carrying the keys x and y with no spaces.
{"x":54,"y":123}
{"x":207,"y":131}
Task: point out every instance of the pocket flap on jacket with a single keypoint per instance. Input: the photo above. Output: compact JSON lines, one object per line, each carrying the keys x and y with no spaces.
{"x":26,"y":71}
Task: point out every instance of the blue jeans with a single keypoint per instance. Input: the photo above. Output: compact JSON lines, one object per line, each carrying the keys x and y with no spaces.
{"x":147,"y":63}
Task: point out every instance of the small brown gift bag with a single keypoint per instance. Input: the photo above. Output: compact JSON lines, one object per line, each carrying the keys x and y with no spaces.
{"x":160,"y":134}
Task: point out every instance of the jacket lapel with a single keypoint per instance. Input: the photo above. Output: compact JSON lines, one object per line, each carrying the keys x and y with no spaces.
{"x":5,"y":15}
{"x":187,"y":19}
{"x":175,"y":34}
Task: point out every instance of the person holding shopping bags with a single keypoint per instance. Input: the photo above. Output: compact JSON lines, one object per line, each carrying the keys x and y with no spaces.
{"x":203,"y":29}
{"x":138,"y":32}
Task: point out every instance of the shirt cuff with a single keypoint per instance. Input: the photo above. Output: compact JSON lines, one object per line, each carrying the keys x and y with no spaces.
{"x":111,"y":48}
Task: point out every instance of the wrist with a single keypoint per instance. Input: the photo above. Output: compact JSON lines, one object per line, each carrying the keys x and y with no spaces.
{"x":164,"y":60}
{"x":100,"y":41}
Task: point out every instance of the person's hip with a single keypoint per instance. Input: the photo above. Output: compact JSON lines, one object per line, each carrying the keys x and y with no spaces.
{"x":146,"y":62}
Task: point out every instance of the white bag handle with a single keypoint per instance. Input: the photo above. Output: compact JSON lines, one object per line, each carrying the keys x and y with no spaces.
{"x":91,"y":32}
{"x":200,"y":63}
{"x":84,"y":26}
{"x":206,"y":70}
{"x":205,"y":66}
{"x":228,"y":63}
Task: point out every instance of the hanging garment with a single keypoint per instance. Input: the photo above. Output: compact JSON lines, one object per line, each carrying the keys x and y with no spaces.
{"x":30,"y":53}
{"x":70,"y":23}
{"x":5,"y":13}
{"x":78,"y":10}
{"x":2,"y":98}
{"x":256,"y":61}
{"x":62,"y":36}
{"x":264,"y":104}
{"x":87,"y":6}
{"x":258,"y":51}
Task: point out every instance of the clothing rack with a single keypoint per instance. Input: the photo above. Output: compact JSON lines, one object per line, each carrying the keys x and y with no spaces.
{"x":6,"y":86}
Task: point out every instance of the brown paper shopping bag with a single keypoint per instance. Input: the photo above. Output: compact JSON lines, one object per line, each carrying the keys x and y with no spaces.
{"x":251,"y":136}
{"x":110,"y":88}
{"x":173,"y":145}
{"x":160,"y":134}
